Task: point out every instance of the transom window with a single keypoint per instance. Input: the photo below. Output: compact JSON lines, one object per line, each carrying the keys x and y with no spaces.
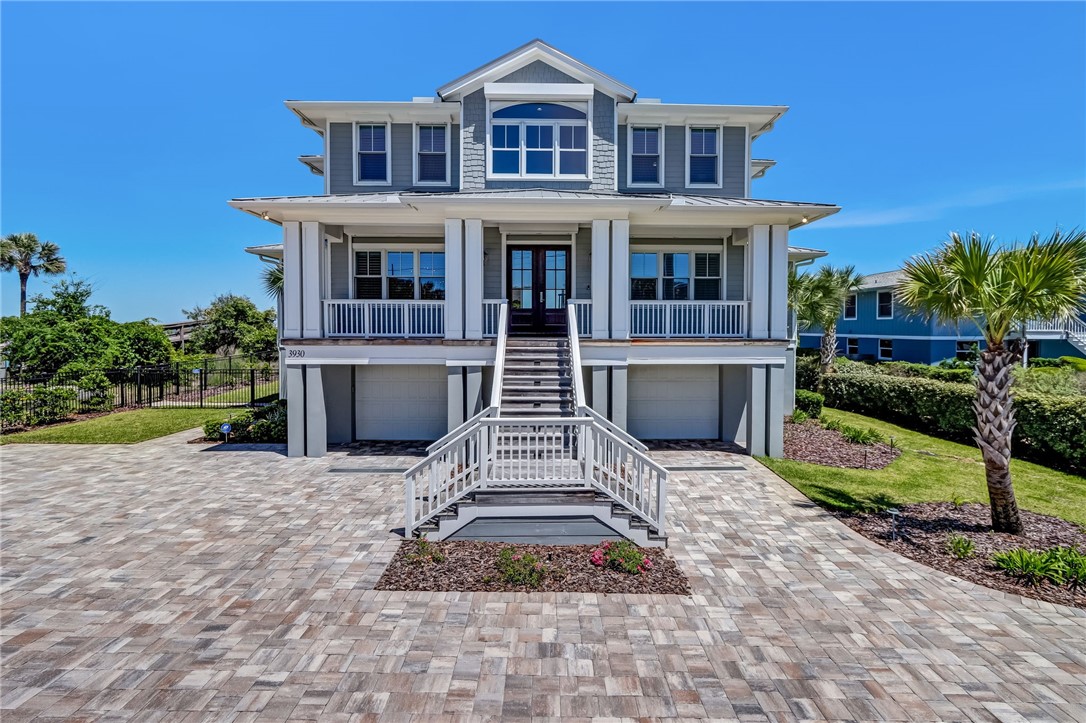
{"x":850,"y":306}
{"x":431,"y":162}
{"x":403,"y":275}
{"x":372,"y":144}
{"x":670,"y":280}
{"x":703,"y":165}
{"x":645,"y":157}
{"x":886,"y":305}
{"x":539,"y":140}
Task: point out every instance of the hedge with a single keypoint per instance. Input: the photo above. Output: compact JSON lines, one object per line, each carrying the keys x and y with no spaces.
{"x":1051,"y":430}
{"x":926,"y":371}
{"x":809,"y":402}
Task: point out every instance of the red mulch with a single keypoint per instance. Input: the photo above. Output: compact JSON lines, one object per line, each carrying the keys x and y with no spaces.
{"x":923,"y":528}
{"x":811,"y":442}
{"x":471,"y":566}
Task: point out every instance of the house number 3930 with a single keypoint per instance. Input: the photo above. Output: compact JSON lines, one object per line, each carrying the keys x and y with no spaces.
{"x":295,"y":352}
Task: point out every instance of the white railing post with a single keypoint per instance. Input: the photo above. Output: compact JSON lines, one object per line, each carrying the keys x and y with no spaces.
{"x":483,"y":447}
{"x":661,"y":502}
{"x":404,"y":311}
{"x":588,"y":442}
{"x":365,"y":318}
{"x":499,"y":359}
{"x":409,"y":506}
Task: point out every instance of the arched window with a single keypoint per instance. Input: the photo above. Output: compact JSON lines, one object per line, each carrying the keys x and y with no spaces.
{"x":539,"y":140}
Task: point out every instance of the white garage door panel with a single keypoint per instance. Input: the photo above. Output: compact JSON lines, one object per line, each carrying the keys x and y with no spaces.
{"x":401,"y":402}
{"x":673,"y":402}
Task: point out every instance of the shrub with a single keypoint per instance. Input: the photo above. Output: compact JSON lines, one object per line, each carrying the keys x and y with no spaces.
{"x":266,"y":424}
{"x":15,"y":407}
{"x":1074,"y":566}
{"x":426,"y":551}
{"x":51,"y":404}
{"x":521,"y":570}
{"x":1057,"y":381}
{"x":1024,"y":565}
{"x":832,"y":424}
{"x":857,"y":435}
{"x":799,"y":416}
{"x":1076,"y":363}
{"x":622,"y":555}
{"x":960,"y":546}
{"x":807,"y":372}
{"x":962,"y":375}
{"x":1044,"y":363}
{"x":809,"y":402}
{"x":1050,"y":430}
{"x":95,"y":392}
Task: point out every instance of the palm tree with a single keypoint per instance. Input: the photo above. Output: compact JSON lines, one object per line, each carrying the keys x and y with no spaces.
{"x":23,"y":253}
{"x":970,"y":279}
{"x":818,"y":300}
{"x":271,"y":278}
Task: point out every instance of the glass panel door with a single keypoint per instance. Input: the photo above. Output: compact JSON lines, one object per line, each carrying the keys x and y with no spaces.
{"x":537,"y":284}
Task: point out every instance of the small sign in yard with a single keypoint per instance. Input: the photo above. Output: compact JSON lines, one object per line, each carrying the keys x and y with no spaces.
{"x":225,"y":428}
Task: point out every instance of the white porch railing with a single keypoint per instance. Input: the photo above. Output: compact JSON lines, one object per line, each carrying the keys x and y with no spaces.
{"x":1072,"y":325}
{"x":384,"y":317}
{"x":688,"y":318}
{"x":491,"y":310}
{"x":583,"y":313}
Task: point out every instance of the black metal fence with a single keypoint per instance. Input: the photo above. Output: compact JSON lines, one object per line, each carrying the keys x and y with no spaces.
{"x":29,"y":399}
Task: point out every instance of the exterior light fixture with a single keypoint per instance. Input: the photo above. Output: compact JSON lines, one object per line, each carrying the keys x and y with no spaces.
{"x":803,"y":220}
{"x":265,"y":216}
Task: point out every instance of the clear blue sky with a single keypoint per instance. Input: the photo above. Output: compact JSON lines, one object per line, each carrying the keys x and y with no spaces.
{"x":126,"y":127}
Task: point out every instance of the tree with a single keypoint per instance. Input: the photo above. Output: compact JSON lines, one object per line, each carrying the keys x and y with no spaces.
{"x":271,"y":278}
{"x":818,"y":300}
{"x":227,"y":320}
{"x":970,"y":279}
{"x":27,"y":256}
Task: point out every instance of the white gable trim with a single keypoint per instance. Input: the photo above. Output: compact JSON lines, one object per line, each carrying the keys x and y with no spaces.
{"x":537,"y":91}
{"x":527,"y":54}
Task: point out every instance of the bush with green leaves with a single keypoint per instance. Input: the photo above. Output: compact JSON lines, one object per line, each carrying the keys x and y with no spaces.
{"x":1029,"y":566}
{"x":14,"y":407}
{"x":960,"y":546}
{"x":266,"y":424}
{"x":926,"y":371}
{"x":520,"y":569}
{"x":1059,"y":381}
{"x":809,"y":402}
{"x":858,"y":435}
{"x":807,"y":372}
{"x":799,"y":416}
{"x":42,"y":404}
{"x":1076,"y":363}
{"x":95,"y":392}
{"x":621,"y":555}
{"x":1041,"y":362}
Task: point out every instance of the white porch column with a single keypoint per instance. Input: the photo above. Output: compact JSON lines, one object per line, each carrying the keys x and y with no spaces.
{"x":760,"y":292}
{"x":601,"y":388}
{"x":454,"y":278}
{"x":292,"y":280}
{"x":774,"y":434}
{"x":455,"y":379}
{"x":618,"y":396}
{"x":473,"y":278}
{"x":620,"y":282}
{"x":601,"y":270}
{"x":316,"y":420}
{"x":778,"y":282}
{"x":790,"y":379}
{"x":311,"y":280}
{"x":295,"y":385}
{"x":756,"y":378}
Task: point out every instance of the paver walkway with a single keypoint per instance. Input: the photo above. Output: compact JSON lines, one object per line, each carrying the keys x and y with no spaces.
{"x":168,"y":581}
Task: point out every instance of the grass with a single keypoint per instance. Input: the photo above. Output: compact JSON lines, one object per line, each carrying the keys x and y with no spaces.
{"x":929,"y":470}
{"x":120,"y":428}
{"x":267,"y":391}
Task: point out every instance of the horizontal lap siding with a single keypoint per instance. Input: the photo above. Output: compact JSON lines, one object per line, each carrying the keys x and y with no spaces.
{"x":340,"y":164}
{"x":493,"y":287}
{"x":733,"y":163}
{"x":736,"y":271}
{"x":341,"y":270}
{"x":582,"y":285}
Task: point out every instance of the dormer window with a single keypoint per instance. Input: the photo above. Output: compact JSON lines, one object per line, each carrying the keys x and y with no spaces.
{"x":539,"y":140}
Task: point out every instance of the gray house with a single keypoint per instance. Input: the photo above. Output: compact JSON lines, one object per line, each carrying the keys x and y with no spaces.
{"x":537,"y":268}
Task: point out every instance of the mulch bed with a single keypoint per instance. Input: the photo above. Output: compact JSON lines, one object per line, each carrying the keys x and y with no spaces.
{"x":471,"y":566}
{"x":923,"y":528}
{"x":811,"y":442}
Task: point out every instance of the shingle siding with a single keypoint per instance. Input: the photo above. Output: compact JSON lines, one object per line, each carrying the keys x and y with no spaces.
{"x":340,"y":164}
{"x":473,"y":135}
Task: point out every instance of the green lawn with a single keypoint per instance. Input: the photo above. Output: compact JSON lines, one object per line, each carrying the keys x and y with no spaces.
{"x":119,"y":428}
{"x":265,"y":392}
{"x":929,"y":470}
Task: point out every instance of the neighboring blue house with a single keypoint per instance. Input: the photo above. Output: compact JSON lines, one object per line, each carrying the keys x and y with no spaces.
{"x":875,"y":326}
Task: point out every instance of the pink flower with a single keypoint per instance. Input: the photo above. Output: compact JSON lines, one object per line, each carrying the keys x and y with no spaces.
{"x":516,"y":557}
{"x":646,"y":563}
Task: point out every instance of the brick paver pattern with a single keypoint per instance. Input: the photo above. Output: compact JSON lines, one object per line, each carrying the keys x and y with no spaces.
{"x":172,"y":581}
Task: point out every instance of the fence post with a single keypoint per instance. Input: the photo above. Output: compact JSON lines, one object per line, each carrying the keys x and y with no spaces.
{"x":139,"y":386}
{"x":202,"y":380}
{"x":252,"y":387}
{"x":123,"y":385}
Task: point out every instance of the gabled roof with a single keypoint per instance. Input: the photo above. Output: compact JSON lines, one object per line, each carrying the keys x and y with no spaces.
{"x":883,"y":279}
{"x":529,"y":53}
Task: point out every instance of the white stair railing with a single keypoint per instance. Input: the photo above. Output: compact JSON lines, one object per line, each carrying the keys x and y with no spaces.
{"x":499,"y":360}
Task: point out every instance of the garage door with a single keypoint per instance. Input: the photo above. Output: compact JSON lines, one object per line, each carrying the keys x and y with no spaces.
{"x":401,"y":402}
{"x":673,"y":402}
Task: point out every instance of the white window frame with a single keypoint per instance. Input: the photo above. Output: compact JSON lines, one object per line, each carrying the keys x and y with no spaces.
{"x":630,"y":154}
{"x":891,"y":355}
{"x":384,"y":250}
{"x":878,"y":304}
{"x":855,"y":307}
{"x":522,"y":176}
{"x":691,"y":251}
{"x":415,"y":155}
{"x":719,"y":156}
{"x":388,"y":154}
{"x":852,"y":346}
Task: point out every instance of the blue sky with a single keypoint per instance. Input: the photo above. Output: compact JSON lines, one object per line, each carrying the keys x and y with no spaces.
{"x":126,"y":127}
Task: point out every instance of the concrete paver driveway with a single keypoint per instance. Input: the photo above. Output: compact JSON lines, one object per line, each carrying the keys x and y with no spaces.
{"x":169,"y":581}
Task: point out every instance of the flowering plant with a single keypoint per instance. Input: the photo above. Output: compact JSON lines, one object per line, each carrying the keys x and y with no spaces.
{"x":622,"y":555}
{"x":520,"y":569}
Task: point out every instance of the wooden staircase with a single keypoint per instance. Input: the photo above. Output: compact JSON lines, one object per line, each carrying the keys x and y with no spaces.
{"x":538,"y":378}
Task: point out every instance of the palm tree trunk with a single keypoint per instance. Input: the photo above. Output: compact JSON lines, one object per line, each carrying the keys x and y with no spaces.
{"x":22,"y":293}
{"x":828,"y":351}
{"x":995,"y":425}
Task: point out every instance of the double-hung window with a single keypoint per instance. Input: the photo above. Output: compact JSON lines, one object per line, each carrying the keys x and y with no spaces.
{"x":676,"y":277}
{"x":707,"y":276}
{"x":850,"y":307}
{"x":885,"y":305}
{"x":670,"y":280}
{"x":645,"y":160}
{"x":432,"y":155}
{"x":852,"y":346}
{"x":886,"y":349}
{"x":372,"y":145}
{"x":539,"y":140}
{"x":643,"y":273}
{"x":403,"y":275}
{"x":703,"y":161}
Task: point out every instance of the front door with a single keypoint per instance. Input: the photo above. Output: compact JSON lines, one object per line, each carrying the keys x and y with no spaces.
{"x":537,"y":286}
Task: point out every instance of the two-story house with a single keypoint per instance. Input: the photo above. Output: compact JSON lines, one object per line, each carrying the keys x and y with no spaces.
{"x":875,"y":326}
{"x":461,"y":237}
